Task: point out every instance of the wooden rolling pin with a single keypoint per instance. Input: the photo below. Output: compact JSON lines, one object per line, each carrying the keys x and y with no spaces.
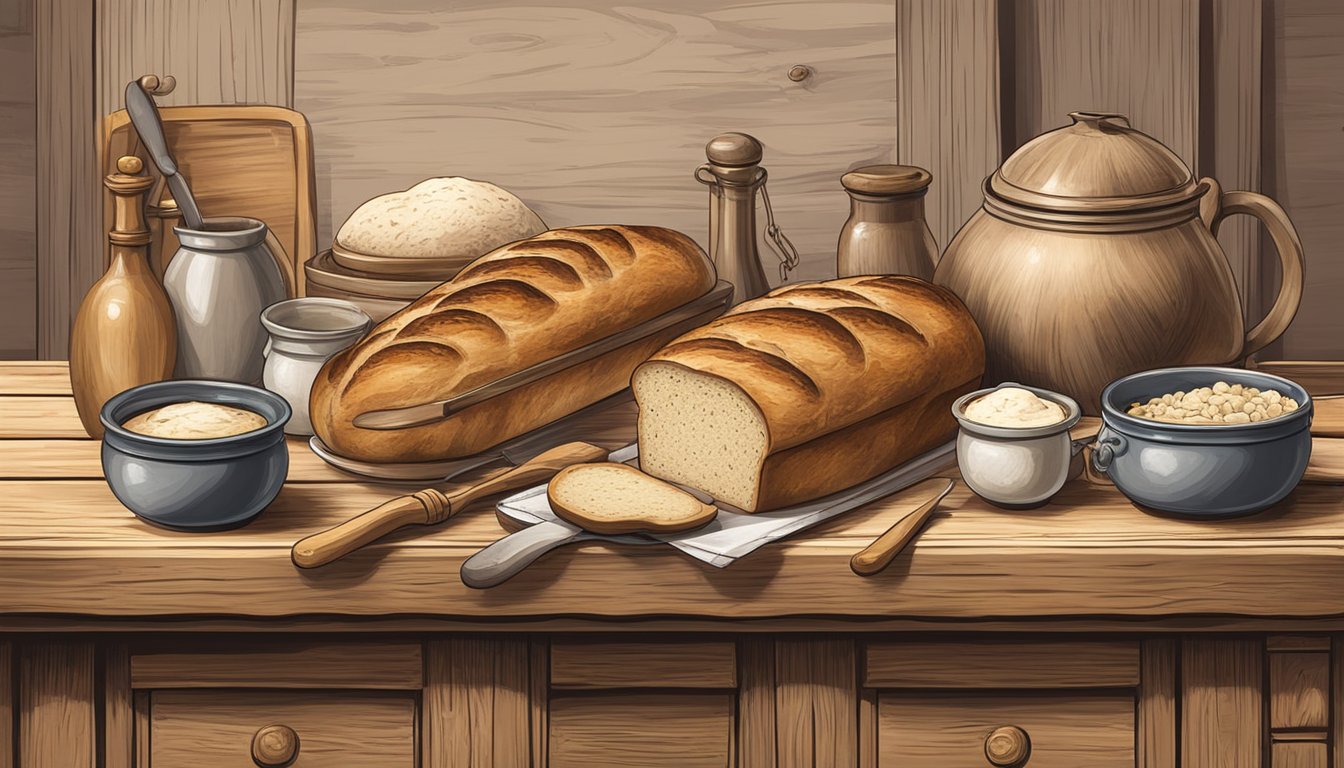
{"x":430,"y":506}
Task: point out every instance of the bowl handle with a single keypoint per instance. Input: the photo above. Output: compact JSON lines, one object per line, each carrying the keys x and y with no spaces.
{"x":1109,"y":445}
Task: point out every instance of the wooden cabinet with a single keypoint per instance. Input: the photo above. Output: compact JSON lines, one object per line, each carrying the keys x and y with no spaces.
{"x":437,"y":699}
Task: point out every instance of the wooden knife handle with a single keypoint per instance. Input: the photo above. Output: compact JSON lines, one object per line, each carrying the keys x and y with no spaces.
{"x":539,"y":469}
{"x":430,"y":506}
{"x":420,"y":508}
{"x":885,"y":548}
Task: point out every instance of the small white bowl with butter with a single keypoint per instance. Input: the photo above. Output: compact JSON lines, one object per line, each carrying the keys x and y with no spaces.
{"x":1014,"y":448}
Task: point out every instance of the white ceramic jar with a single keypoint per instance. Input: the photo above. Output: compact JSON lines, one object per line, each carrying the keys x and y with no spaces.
{"x":1016,"y":467}
{"x":304,"y":334}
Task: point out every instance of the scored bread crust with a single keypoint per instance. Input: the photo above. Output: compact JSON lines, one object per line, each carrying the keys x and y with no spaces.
{"x":851,"y":378}
{"x":636,"y":519}
{"x":516,"y":306}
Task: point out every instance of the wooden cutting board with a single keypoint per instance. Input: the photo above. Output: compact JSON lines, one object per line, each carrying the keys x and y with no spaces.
{"x":252,"y":161}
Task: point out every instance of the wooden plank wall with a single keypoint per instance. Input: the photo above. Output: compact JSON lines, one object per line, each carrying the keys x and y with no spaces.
{"x":69,"y":244}
{"x":1304,"y":163}
{"x":1136,"y":57}
{"x":594,"y":112}
{"x":18,"y":177}
{"x":1230,"y":99}
{"x":599,"y":112}
{"x":241,"y":52}
{"x":948,"y":117}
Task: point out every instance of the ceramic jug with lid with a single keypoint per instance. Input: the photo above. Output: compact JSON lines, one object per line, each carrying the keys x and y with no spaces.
{"x":1095,"y":256}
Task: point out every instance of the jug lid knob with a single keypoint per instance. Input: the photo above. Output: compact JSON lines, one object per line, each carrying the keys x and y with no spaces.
{"x":1100,"y":120}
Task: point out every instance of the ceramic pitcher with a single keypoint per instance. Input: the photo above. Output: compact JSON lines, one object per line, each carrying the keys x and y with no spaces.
{"x":1095,"y":256}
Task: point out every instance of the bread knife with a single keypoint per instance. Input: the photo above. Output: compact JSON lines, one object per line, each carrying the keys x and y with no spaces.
{"x":515,"y":451}
{"x":508,"y":556}
{"x":431,"y":506}
{"x":690,"y":315}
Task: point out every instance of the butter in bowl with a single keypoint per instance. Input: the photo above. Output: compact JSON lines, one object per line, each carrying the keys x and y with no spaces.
{"x":195,"y":455}
{"x":1014,"y":448}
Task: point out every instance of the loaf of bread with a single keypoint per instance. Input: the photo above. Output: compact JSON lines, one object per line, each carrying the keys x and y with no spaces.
{"x":807,"y":390}
{"x":512,"y":308}
{"x":442,"y":218}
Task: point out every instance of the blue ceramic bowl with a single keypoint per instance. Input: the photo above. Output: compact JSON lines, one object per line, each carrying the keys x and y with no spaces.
{"x":1199,"y":470}
{"x":195,"y":485}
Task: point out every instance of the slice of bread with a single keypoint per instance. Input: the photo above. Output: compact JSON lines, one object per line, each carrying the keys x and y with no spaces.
{"x":615,"y":498}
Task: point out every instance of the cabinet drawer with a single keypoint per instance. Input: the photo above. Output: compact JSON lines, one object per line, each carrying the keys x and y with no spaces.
{"x":217,"y":729}
{"x":919,"y":730}
{"x":1002,"y":664}
{"x":616,"y":730}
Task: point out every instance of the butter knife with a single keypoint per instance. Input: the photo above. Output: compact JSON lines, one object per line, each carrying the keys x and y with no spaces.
{"x":507,"y":557}
{"x":431,"y":506}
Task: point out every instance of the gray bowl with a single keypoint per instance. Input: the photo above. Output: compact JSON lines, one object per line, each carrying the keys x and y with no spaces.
{"x":1201,"y":470}
{"x":195,"y":485}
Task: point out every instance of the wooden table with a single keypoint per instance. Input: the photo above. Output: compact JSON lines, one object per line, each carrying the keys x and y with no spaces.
{"x":1097,"y":625}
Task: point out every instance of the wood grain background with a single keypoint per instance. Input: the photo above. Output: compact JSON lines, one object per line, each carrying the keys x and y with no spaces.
{"x":594,"y":113}
{"x":1304,"y":164}
{"x":18,"y":180}
{"x":599,"y":112}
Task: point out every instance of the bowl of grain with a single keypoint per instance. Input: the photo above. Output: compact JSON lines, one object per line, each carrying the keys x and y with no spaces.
{"x":1204,"y":441}
{"x":195,"y":455}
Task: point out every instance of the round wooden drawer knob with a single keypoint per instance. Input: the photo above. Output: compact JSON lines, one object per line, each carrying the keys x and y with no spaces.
{"x":1008,"y":747}
{"x":275,"y":746}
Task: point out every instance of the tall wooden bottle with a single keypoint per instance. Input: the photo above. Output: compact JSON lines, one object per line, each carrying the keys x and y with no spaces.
{"x":124,"y":333}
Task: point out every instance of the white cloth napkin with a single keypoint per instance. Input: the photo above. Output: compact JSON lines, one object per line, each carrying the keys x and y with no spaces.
{"x":734,"y":534}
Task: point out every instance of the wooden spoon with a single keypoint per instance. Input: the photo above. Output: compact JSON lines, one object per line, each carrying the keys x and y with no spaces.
{"x":431,"y":506}
{"x":878,"y":555}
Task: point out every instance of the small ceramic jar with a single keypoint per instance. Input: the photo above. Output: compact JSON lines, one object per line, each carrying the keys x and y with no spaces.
{"x":1016,"y":467}
{"x":305,"y":333}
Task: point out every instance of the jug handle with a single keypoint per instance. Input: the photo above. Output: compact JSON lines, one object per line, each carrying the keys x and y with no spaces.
{"x":1217,"y":205}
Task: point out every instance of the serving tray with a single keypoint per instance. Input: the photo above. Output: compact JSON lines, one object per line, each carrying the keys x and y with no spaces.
{"x":690,"y":315}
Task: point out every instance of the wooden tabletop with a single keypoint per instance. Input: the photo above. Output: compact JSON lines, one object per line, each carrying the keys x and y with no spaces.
{"x":68,"y":547}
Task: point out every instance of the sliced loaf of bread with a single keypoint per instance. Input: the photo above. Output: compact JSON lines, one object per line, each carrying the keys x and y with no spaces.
{"x":616,"y":498}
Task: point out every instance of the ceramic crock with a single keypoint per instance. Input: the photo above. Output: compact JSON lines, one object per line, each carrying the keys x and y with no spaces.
{"x":218,"y":282}
{"x":305,"y":333}
{"x":1095,"y":256}
{"x":1016,"y":467}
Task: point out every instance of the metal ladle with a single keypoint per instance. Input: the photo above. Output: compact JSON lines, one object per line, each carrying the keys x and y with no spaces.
{"x":149,"y":126}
